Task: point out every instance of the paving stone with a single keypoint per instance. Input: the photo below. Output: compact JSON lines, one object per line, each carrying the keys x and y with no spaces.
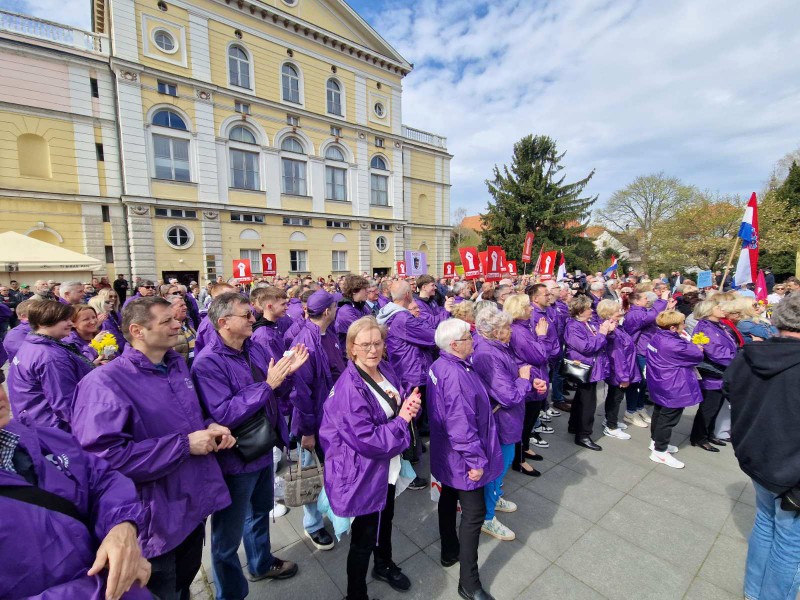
{"x":587,"y":497}
{"x":748,"y":495}
{"x":507,"y":568}
{"x":428,"y":580}
{"x":311,"y":580}
{"x":607,"y":467}
{"x":555,"y":582}
{"x":740,"y":522}
{"x":724,"y":565}
{"x":703,"y":590}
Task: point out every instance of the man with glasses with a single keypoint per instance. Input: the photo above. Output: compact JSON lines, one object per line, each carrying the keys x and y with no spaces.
{"x":146,"y":289}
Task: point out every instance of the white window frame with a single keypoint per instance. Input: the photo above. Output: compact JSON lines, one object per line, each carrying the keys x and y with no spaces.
{"x":342,"y":99}
{"x":300,"y":83}
{"x":250,"y":67}
{"x":179,"y":134}
{"x":334,"y":167}
{"x":300,"y":258}
{"x":175,"y":42}
{"x":188,"y":230}
{"x":295,"y":158}
{"x":338,"y":260}
{"x":253,"y":149}
{"x":255,"y":263}
{"x":378,"y":248}
{"x":374,"y":175}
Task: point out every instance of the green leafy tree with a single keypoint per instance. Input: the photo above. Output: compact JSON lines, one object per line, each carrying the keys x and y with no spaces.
{"x":531,"y":195}
{"x":779,"y":220}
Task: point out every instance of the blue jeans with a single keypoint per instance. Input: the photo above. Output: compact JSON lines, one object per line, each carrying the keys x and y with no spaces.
{"x":493,"y":490}
{"x":248,"y":516}
{"x":312,"y":518}
{"x":634,"y":395}
{"x":772,"y":571}
{"x":557,"y":381}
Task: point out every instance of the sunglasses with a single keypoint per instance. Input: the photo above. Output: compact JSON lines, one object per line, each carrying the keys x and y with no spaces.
{"x":148,"y":287}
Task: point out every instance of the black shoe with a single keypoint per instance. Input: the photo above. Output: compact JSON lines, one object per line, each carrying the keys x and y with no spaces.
{"x":705,"y":446}
{"x":448,"y":562}
{"x":280,"y":569}
{"x":532,"y":473}
{"x":530,"y":455}
{"x":563,"y":406}
{"x":587,"y":443}
{"x":321,"y":539}
{"x":717,"y":441}
{"x":479,"y":594}
{"x":392,"y":575}
{"x":418,"y":484}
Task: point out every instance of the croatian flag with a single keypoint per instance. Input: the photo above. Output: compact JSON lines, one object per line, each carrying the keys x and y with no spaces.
{"x":561,"y":275}
{"x":612,"y":270}
{"x":747,"y":267}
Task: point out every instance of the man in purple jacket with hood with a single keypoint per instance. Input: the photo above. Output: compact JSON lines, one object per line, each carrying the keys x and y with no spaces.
{"x":141,"y":413}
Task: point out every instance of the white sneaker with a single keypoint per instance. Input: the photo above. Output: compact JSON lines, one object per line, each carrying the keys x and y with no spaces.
{"x":616,"y":433}
{"x":552,"y":412}
{"x":543,"y":429}
{"x":497,"y":530}
{"x":642,"y":412}
{"x":670,"y":448}
{"x":504,"y":505}
{"x":665,"y":458}
{"x":634,"y":419}
{"x":619,"y":425}
{"x":278,"y":511}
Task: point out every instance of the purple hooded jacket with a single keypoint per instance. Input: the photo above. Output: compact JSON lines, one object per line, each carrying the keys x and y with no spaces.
{"x":529,"y":349}
{"x":621,"y":352}
{"x":205,"y":332}
{"x":347,"y":314}
{"x":81,"y":344}
{"x":42,"y":380}
{"x":312,"y":382}
{"x":432,"y":311}
{"x":588,"y":347}
{"x":498,"y":369}
{"x":269,"y":336}
{"x":671,"y":375}
{"x":294,"y":309}
{"x":720,"y":349}
{"x":14,"y":339}
{"x":409,"y":344}
{"x":359,"y":441}
{"x":46,"y":554}
{"x":463,"y":430}
{"x":113,"y":325}
{"x":561,"y":316}
{"x":640,"y":323}
{"x":550,"y":341}
{"x":383,"y":300}
{"x":138,"y":417}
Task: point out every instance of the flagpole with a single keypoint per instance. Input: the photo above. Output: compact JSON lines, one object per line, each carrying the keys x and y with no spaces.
{"x":736,"y":243}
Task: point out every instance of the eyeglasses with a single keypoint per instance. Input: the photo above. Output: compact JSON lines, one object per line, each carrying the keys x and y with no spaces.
{"x":370,"y":346}
{"x":466,"y":339}
{"x":148,"y":287}
{"x":247,"y":316}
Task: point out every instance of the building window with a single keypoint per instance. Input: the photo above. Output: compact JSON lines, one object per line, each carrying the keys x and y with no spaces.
{"x":238,"y":67}
{"x":94,"y":87}
{"x":381,"y":243}
{"x":164,"y":40}
{"x":336,"y":131}
{"x":246,"y":218}
{"x":335,"y":176}
{"x":254,"y":256}
{"x":297,"y":221}
{"x":176,"y":213}
{"x":292,"y":121}
{"x":338,"y":224}
{"x":339,"y":260}
{"x":290,"y":83}
{"x":98,"y":150}
{"x":294,"y":171}
{"x":298,"y":261}
{"x":379,"y":183}
{"x":171,"y":153}
{"x":170,"y":89}
{"x":167,"y":118}
{"x":380,"y":227}
{"x":379,"y":109}
{"x":241,"y":107}
{"x":109,"y":254}
{"x":244,"y":163}
{"x":179,"y":237}
{"x":104,"y":210}
{"x":334,"y":94}
{"x":379,"y":143}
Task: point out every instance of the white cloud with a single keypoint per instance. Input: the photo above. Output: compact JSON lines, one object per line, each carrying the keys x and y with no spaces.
{"x":67,"y":12}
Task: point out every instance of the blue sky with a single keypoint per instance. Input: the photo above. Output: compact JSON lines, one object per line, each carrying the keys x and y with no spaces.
{"x":708,"y":91}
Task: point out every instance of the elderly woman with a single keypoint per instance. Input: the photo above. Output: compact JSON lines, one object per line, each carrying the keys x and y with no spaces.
{"x":507,"y":385}
{"x":85,"y":330}
{"x":623,"y":370}
{"x":465,"y":311}
{"x":45,"y":371}
{"x":465,"y":451}
{"x":719,"y":350}
{"x":528,"y":347}
{"x":364,"y":430}
{"x":747,"y":317}
{"x":671,"y":381}
{"x":187,"y":335}
{"x":586,"y":343}
{"x":112,"y":322}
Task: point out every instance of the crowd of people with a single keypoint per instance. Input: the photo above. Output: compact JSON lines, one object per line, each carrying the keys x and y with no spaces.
{"x":133,"y":416}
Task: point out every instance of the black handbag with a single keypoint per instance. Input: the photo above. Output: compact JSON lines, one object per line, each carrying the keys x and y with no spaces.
{"x":575,"y":370}
{"x":710,"y":369}
{"x":256,"y":437}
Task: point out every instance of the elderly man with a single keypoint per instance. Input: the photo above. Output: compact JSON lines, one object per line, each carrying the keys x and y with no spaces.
{"x":145,"y":289}
{"x":72,"y":293}
{"x":372,"y":298}
{"x":140,"y":413}
{"x":206,"y":328}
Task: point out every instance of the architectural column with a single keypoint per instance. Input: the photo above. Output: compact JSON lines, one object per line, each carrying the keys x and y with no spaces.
{"x":364,"y":251}
{"x":93,"y":239}
{"x":207,"y":190}
{"x":212,"y":244}
{"x":119,"y":241}
{"x":143,"y":254}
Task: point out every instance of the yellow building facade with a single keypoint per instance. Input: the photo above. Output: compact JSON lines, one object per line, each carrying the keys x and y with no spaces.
{"x":243,"y":128}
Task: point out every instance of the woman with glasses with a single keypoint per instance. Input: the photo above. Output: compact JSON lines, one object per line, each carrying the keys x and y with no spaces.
{"x":109,"y":315}
{"x":747,"y":316}
{"x":364,"y":430}
{"x":187,"y":335}
{"x":778,"y":292}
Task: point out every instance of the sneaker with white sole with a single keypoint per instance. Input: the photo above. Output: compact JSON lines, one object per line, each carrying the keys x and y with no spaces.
{"x":543,"y":417}
{"x":538,"y":442}
{"x":670,"y":448}
{"x":278,"y":511}
{"x":665,"y":458}
{"x":619,"y":425}
{"x":634,"y":419}
{"x":552,"y":412}
{"x":616,"y":433}
{"x":642,"y":412}
{"x":543,"y":429}
{"x":504,"y":505}
{"x":497,"y":530}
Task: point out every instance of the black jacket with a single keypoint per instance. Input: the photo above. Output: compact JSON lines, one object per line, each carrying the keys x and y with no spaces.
{"x":763,"y":386}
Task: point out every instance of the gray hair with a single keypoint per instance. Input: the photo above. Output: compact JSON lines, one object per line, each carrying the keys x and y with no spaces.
{"x":786,"y":316}
{"x":69,"y":285}
{"x":459,"y":287}
{"x":651,"y":296}
{"x":448,"y":332}
{"x":489,"y":320}
{"x":222,"y":306}
{"x":597,"y":286}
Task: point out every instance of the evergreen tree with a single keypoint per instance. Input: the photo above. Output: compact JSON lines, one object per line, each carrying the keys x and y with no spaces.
{"x":789,"y":191}
{"x":531,"y":195}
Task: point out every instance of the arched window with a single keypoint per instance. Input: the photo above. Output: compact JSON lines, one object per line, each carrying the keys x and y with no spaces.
{"x":239,"y":67}
{"x":334,"y":94}
{"x":170,"y":148}
{"x":378,"y":182}
{"x":335,"y":175}
{"x":290,"y":83}
{"x":334,"y":153}
{"x":167,"y":118}
{"x":244,"y":161}
{"x":291,"y":144}
{"x":377,"y":162}
{"x":33,"y":155}
{"x":293,"y":180}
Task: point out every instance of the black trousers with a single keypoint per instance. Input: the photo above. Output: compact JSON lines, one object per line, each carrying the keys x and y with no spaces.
{"x":706,"y":417}
{"x":532,"y":410}
{"x":614,"y":398}
{"x":465,"y":544}
{"x":584,"y":405}
{"x":662,"y":423}
{"x":172,"y":573}
{"x":365,"y":531}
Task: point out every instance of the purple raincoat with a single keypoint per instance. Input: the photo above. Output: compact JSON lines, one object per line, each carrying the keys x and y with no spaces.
{"x":721,"y":349}
{"x":383,"y":300}
{"x":270,"y":336}
{"x":42,"y":380}
{"x":562,"y":316}
{"x":671,"y":374}
{"x":312,"y":382}
{"x":498,"y":369}
{"x":205,"y":332}
{"x":336,"y":360}
{"x":295,"y":309}
{"x":621,"y":352}
{"x":113,"y":325}
{"x":529,"y":349}
{"x":550,"y":341}
{"x":46,"y":554}
{"x":359,"y":441}
{"x":138,"y":417}
{"x":347,"y":314}
{"x":432,"y":311}
{"x":584,"y":343}
{"x":463,"y":430}
{"x":409,"y":344}
{"x":15,"y":338}
{"x":81,"y":344}
{"x":640,"y":323}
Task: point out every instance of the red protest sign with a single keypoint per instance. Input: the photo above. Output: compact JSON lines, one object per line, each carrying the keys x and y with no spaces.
{"x":470,"y":262}
{"x":527,"y":247}
{"x":547,"y":265}
{"x":241,"y":270}
{"x":269,"y":265}
{"x":401,"y":268}
{"x":512,"y":268}
{"x":449,"y":269}
{"x":494,"y":263}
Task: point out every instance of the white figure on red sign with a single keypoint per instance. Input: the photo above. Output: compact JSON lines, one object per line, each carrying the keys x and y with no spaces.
{"x":242,"y":269}
{"x":269,"y":263}
{"x":449,"y":270}
{"x":547,"y":264}
{"x":494,"y":262}
{"x":401,"y":268}
{"x":470,"y":260}
{"x":512,"y":269}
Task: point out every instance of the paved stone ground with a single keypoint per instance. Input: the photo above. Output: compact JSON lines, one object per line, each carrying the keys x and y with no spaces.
{"x":595,"y":525}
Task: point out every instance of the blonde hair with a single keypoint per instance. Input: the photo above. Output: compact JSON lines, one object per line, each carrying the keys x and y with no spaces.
{"x":105,"y":293}
{"x":703,"y":310}
{"x":645,"y":286}
{"x":607,"y":309}
{"x":741,"y":306}
{"x":669,"y":318}
{"x":97,"y":303}
{"x":362,"y":324}
{"x":464,"y":310}
{"x":515,"y":305}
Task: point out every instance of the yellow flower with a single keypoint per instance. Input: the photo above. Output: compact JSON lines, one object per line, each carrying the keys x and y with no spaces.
{"x":701,"y":339}
{"x":107,"y":341}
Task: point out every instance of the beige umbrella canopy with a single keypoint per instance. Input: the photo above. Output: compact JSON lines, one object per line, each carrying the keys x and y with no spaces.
{"x":22,"y":254}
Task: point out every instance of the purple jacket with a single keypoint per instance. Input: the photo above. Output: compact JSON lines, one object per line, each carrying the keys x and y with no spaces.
{"x":463,"y":430}
{"x":561,"y":310}
{"x":359,"y":441}
{"x":550,"y":341}
{"x":81,"y":344}
{"x":621,"y":352}
{"x":138,"y":417}
{"x":113,"y":325}
{"x":131,"y":299}
{"x":383,"y":300}
{"x":435,"y":313}
{"x":205,"y":332}
{"x":720,"y":349}
{"x":14,"y":339}
{"x":640,"y":323}
{"x":347,"y":314}
{"x":230,"y":395}
{"x":497,"y":367}
{"x":46,"y":554}
{"x":295,"y":309}
{"x":270,"y":337}
{"x":671,"y":375}
{"x":336,"y":360}
{"x":192,"y":309}
{"x":409,"y":344}
{"x":529,"y":349}
{"x":293,"y":330}
{"x":588,"y":347}
{"x":42,"y":380}
{"x":312,"y":382}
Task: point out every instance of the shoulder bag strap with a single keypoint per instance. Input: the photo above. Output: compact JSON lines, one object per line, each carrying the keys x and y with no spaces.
{"x":381,"y":392}
{"x":31,"y":494}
